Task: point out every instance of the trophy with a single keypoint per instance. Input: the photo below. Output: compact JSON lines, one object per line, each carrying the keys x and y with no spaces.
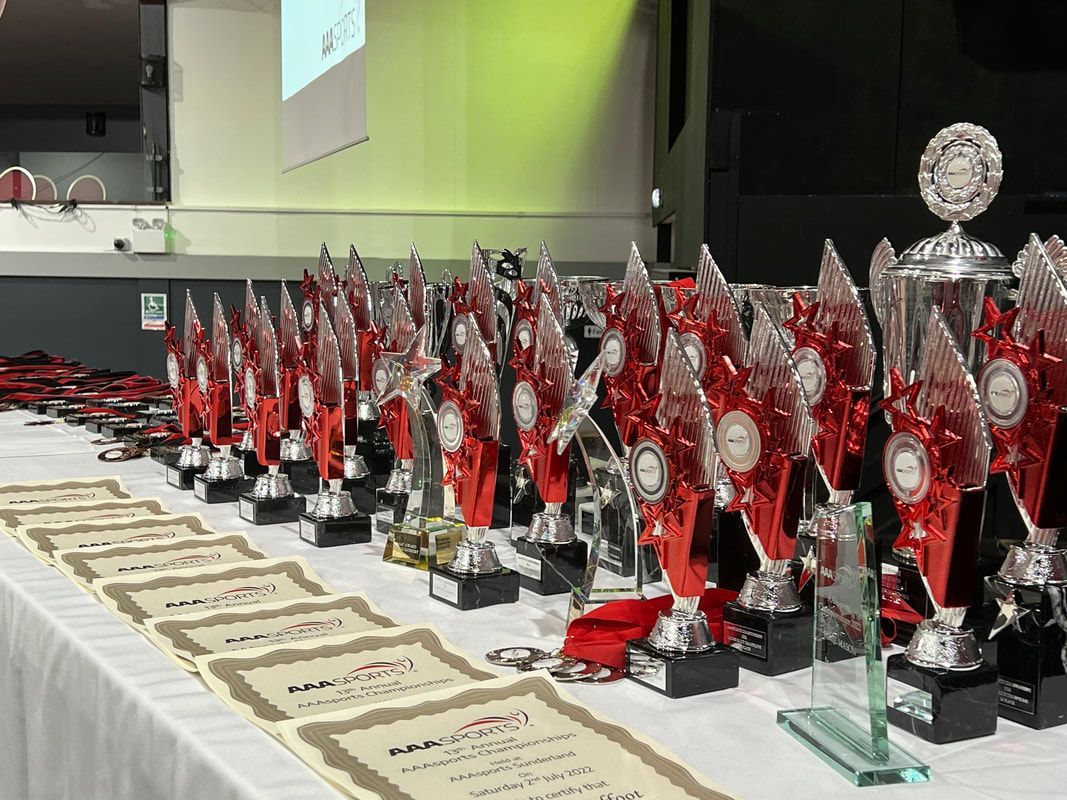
{"x":271,"y":499}
{"x":392,"y":499}
{"x":935,"y":464}
{"x":357,"y":480}
{"x":296,"y":461}
{"x":763,"y":437}
{"x":1023,"y":387}
{"x":188,"y":401}
{"x":243,"y":328}
{"x":468,"y":425}
{"x":549,"y":556}
{"x":835,"y":357}
{"x":334,"y":519}
{"x":672,"y":468}
{"x":959,"y":176}
{"x":223,"y":480}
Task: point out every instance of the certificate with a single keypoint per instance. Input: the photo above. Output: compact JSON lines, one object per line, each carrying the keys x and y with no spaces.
{"x":271,"y":684}
{"x":89,"y":564}
{"x":514,"y":738}
{"x":135,"y":599}
{"x":12,"y":517}
{"x":80,"y":490}
{"x":202,"y":634}
{"x":44,"y":540}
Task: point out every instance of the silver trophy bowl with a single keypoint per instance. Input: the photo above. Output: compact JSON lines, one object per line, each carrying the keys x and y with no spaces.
{"x":1036,"y":562}
{"x":194,"y":455}
{"x":940,"y":643}
{"x":550,"y":526}
{"x":272,"y":485}
{"x":474,"y":556}
{"x":295,"y":448}
{"x":333,"y":503}
{"x":683,"y":629}
{"x":223,"y":467}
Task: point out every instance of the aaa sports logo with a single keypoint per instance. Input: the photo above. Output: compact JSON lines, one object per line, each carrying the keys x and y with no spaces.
{"x":177,"y":563}
{"x":311,"y":627}
{"x":364,"y":673}
{"x":480,"y":728}
{"x":227,"y":596}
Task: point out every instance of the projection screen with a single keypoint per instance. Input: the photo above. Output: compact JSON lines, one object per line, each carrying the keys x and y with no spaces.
{"x":323,"y":78}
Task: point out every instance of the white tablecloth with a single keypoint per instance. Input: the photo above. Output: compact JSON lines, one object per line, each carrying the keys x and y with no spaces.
{"x":89,"y":709}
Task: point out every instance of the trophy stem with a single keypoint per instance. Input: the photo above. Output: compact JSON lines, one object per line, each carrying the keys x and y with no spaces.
{"x":1037,"y":561}
{"x":840,"y":497}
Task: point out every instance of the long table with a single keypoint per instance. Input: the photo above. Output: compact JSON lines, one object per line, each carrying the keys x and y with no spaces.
{"x":90,"y":709}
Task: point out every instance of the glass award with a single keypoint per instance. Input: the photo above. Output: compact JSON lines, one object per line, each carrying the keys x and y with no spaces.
{"x":271,"y":499}
{"x":1023,"y":387}
{"x":296,"y":460}
{"x":763,"y":437}
{"x":223,"y":479}
{"x":846,"y":723}
{"x":935,"y":464}
{"x":188,"y":401}
{"x":468,"y":426}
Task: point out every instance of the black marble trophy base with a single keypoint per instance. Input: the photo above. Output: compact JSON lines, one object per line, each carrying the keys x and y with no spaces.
{"x":183,"y":477}
{"x":364,"y":494}
{"x":353,"y":529}
{"x":250,"y":465}
{"x":55,"y":412}
{"x":770,"y":643}
{"x":303,"y":476}
{"x":121,"y":429}
{"x":681,"y":674}
{"x":271,"y":511}
{"x":165,"y":454}
{"x":465,"y":593}
{"x":220,"y":491}
{"x":389,"y":509}
{"x":95,"y":425}
{"x":941,"y":705}
{"x":1029,"y":655}
{"x":548,"y":569}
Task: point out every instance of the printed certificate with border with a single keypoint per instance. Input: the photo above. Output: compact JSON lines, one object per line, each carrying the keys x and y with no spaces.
{"x":268,"y":685}
{"x":514,"y":738}
{"x":184,"y":591}
{"x":190,"y":636}
{"x":45,"y":540}
{"x":80,"y":490}
{"x":87,"y":565}
{"x":11,"y":517}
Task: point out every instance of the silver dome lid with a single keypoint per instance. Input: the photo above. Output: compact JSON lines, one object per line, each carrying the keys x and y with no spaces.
{"x":955,"y":247}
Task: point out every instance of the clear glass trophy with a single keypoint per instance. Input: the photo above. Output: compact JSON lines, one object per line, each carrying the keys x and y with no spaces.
{"x":1023,"y":387}
{"x":846,"y":723}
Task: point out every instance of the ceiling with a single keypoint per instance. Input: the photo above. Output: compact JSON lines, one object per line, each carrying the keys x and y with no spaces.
{"x":69,"y":52}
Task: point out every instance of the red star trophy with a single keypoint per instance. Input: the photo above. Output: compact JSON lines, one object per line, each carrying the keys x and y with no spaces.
{"x":392,"y":499}
{"x":834,"y":354}
{"x":358,"y":481}
{"x":468,"y":426}
{"x":334,"y":519}
{"x":296,"y":458}
{"x":243,"y":327}
{"x":188,"y":401}
{"x":763,"y":437}
{"x":1023,"y":386}
{"x":549,"y":556}
{"x":271,"y":499}
{"x":935,"y":464}
{"x":223,"y":480}
{"x":672,"y":469}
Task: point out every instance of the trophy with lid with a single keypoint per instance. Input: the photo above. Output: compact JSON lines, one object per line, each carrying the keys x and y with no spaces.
{"x":959,"y":176}
{"x":334,"y":519}
{"x":468,"y":426}
{"x":271,"y":499}
{"x":243,"y":327}
{"x":223,"y":480}
{"x":763,"y":436}
{"x":296,"y":460}
{"x":1023,"y":387}
{"x":188,"y":401}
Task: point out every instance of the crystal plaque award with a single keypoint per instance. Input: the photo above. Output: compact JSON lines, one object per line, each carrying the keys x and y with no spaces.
{"x":468,"y":426}
{"x":846,"y":723}
{"x":333,"y":519}
{"x":672,"y":468}
{"x":188,"y":401}
{"x":271,"y":499}
{"x":223,"y":480}
{"x":763,"y":437}
{"x":243,"y":328}
{"x":392,"y":499}
{"x":357,"y":481}
{"x":426,"y":533}
{"x":1023,"y":387}
{"x":549,"y":556}
{"x":935,"y":464}
{"x":296,"y":460}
